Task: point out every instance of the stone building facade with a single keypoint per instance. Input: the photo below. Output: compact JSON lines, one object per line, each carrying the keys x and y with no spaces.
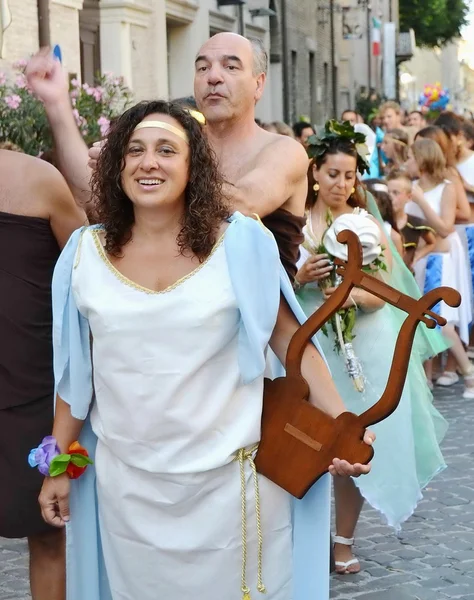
{"x":152,"y":43}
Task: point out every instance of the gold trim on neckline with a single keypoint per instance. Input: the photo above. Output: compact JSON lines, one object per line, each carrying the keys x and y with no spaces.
{"x":137,"y":286}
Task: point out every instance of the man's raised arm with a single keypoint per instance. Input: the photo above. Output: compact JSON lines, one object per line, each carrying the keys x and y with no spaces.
{"x":49,"y":83}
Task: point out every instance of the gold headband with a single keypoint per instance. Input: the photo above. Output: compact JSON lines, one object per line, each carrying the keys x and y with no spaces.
{"x":200,"y":118}
{"x":162,"y":125}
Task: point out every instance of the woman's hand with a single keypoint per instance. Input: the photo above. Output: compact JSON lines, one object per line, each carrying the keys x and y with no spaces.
{"x":54,"y":500}
{"x":417,"y":194}
{"x":327,"y":293}
{"x":345,"y":469}
{"x":315,"y":268}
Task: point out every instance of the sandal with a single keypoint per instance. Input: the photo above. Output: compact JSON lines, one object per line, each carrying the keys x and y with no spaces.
{"x":468,"y":393}
{"x":342,"y":568}
{"x":447,"y":379}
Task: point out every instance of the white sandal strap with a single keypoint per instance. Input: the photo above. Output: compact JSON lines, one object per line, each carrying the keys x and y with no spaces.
{"x":347,"y":564}
{"x":338,"y":539}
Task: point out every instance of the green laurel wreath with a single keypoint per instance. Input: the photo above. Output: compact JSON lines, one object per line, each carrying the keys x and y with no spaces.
{"x":318,"y":145}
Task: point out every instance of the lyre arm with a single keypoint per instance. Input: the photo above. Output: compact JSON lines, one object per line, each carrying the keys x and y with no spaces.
{"x":314,"y":323}
{"x":401,"y":357}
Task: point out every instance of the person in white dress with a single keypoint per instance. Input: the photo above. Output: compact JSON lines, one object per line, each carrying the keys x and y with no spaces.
{"x":433,"y":197}
{"x":182,"y":514}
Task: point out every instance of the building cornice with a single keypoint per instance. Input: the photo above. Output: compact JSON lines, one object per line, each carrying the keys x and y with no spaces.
{"x":125,"y":11}
{"x":255,"y":31}
{"x":77,"y":4}
{"x":182,"y":10}
{"x":220,"y":21}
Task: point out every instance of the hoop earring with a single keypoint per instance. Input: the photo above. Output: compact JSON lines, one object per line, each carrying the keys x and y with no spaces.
{"x":316,"y":187}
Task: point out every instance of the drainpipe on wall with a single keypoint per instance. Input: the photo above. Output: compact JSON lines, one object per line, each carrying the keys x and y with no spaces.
{"x":44,"y":35}
{"x":333,"y":61}
{"x":284,"y":61}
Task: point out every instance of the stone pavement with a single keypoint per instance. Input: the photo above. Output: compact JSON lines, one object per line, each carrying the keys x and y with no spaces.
{"x":433,"y":559}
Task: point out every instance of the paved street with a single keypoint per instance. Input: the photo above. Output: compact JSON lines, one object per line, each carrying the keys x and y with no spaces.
{"x":433,"y":559}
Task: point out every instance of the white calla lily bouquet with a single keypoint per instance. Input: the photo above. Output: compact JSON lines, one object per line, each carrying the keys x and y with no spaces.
{"x":343,"y":322}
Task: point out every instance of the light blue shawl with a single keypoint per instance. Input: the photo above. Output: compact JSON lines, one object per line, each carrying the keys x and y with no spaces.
{"x":257,"y":277}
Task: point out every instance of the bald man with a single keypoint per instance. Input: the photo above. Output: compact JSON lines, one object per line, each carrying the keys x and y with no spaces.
{"x":266,"y":172}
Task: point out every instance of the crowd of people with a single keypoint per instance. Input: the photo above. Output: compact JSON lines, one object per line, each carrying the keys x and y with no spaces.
{"x":187,"y":248}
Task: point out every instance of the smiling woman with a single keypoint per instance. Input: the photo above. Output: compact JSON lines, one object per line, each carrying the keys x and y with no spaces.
{"x":182,"y":303}
{"x":159,"y":141}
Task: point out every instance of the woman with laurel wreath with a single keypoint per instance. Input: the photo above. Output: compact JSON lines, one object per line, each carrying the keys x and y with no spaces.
{"x":404,"y":461}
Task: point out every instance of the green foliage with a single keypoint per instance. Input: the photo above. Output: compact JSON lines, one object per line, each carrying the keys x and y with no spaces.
{"x":23,"y":119}
{"x":318,"y":145}
{"x":435,"y":22}
{"x":367,"y":105}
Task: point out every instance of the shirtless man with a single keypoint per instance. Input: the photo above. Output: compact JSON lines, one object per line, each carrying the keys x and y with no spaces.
{"x":265,"y":172}
{"x":37,"y":216}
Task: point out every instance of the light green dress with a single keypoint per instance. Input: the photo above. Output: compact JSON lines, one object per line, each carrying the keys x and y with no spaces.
{"x":407,"y":452}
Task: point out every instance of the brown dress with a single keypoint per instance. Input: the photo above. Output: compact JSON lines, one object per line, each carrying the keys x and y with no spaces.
{"x":28,"y":253}
{"x":288,"y":231}
{"x":411,"y":234}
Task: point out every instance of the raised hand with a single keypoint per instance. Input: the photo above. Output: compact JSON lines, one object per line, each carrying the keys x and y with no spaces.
{"x":47,"y":78}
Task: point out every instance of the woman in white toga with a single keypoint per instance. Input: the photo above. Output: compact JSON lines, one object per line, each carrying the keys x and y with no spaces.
{"x":181,"y":301}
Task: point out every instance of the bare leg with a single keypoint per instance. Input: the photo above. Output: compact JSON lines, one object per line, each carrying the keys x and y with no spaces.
{"x":458,"y":351}
{"x":451,"y":363}
{"x":48,"y":566}
{"x":349,"y":503}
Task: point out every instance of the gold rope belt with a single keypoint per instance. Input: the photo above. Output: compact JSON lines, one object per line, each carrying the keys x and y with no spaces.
{"x":242,"y":455}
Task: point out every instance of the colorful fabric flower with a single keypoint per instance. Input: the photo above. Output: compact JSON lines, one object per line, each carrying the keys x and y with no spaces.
{"x":42,"y":456}
{"x":74,"y":468}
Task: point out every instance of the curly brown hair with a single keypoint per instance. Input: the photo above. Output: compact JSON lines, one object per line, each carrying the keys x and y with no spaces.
{"x":336,"y":146}
{"x":205,"y":205}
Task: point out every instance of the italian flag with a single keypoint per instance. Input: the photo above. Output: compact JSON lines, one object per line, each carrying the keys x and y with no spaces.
{"x":376,"y":28}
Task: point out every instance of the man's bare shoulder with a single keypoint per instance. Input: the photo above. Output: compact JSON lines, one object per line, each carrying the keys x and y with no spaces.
{"x":284,"y":151}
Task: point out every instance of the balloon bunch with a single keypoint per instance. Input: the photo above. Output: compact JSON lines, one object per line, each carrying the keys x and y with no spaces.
{"x":434,"y":97}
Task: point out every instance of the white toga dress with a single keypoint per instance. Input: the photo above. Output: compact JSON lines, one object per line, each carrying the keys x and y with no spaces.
{"x":170,"y":415}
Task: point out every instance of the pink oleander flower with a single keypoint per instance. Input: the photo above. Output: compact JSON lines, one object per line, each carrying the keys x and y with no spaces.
{"x":97,"y":92}
{"x":21,"y":82}
{"x":74,"y":93}
{"x":3,"y":78}
{"x":75,"y":83}
{"x":13,"y":101}
{"x":73,"y":101}
{"x":20,"y":65}
{"x":104,"y":125}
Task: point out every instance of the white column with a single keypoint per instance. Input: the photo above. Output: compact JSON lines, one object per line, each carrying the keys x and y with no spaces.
{"x":188,"y":29}
{"x":116,"y":19}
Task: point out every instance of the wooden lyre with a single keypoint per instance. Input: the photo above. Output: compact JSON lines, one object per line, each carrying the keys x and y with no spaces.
{"x":300,"y":441}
